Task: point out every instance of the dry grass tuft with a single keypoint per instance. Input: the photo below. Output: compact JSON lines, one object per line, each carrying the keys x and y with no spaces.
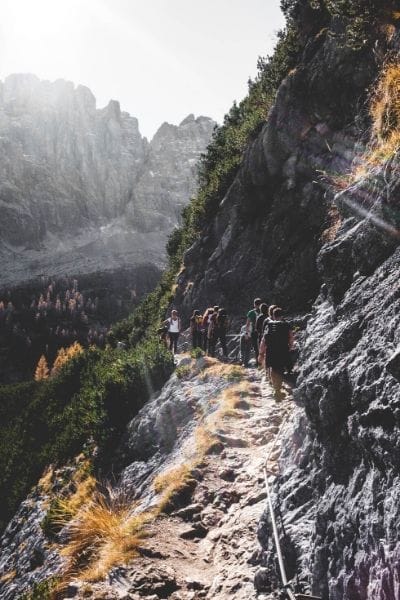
{"x":385,"y":107}
{"x":230,"y":372}
{"x":46,"y":481}
{"x":204,"y":440}
{"x":104,"y":533}
{"x":67,"y":508}
{"x":385,"y":113}
{"x":170,"y":483}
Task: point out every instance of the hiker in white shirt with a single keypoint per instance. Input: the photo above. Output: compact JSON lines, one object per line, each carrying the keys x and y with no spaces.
{"x":174,"y":329}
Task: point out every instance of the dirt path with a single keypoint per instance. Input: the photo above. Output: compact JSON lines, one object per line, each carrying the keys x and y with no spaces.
{"x":208,"y":547}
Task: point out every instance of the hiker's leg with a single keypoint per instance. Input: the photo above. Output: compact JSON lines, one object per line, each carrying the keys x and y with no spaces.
{"x":276,"y":378}
{"x":205,"y":341}
{"x":246,"y":352}
{"x":211,"y":346}
{"x":254,"y":339}
{"x":222,"y":339}
{"x":199,"y":340}
{"x":176,"y":342}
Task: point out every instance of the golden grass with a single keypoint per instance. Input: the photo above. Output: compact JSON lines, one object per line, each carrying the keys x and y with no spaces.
{"x":104,"y":533}
{"x":385,"y":114}
{"x":217,"y":369}
{"x":46,"y":481}
{"x":102,"y":527}
{"x":204,"y":439}
{"x":67,"y":508}
{"x":170,"y":482}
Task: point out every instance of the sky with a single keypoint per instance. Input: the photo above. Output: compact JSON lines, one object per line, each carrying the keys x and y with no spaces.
{"x":161,"y":59}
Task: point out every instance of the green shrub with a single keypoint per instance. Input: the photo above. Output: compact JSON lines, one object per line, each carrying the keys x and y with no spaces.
{"x":196,"y":353}
{"x":183,"y":372}
{"x":92,"y":397}
{"x":41,"y":591}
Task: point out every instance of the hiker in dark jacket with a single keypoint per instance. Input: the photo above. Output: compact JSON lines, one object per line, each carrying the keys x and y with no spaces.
{"x":195,"y":329}
{"x":278,"y":339}
{"x":251,"y":324}
{"x":260,"y":322}
{"x":222,"y":329}
{"x":217,"y":331}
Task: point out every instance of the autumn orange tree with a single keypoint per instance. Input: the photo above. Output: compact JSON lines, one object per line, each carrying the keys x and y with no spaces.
{"x":64,"y":355}
{"x":42,"y":369}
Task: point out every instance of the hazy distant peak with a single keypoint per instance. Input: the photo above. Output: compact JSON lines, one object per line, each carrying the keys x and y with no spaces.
{"x":189,"y":119}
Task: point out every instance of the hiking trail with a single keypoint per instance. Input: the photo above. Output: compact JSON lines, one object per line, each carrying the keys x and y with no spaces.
{"x":205,"y":545}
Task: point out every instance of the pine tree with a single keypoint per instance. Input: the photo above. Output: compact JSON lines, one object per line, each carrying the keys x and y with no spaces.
{"x":42,"y":369}
{"x":64,"y":355}
{"x":73,"y":350}
{"x":60,"y":360}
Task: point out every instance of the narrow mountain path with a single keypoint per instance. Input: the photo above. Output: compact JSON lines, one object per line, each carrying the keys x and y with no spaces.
{"x":208,"y":547}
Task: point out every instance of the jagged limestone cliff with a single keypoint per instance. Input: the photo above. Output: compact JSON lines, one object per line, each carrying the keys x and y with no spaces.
{"x":80,"y":189}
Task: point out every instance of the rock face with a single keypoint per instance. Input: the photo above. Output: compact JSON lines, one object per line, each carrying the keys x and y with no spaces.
{"x":79,"y":186}
{"x":341,"y":469}
{"x":271,"y":223}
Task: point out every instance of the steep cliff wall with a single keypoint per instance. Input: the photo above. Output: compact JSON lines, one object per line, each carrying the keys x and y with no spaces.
{"x":269,"y":226}
{"x":340,"y":473}
{"x":80,"y":188}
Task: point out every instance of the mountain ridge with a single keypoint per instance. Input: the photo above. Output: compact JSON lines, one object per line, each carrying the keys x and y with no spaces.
{"x":70,"y":170}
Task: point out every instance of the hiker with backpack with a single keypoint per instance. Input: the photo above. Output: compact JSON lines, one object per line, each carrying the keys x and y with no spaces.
{"x":278,"y":343}
{"x":195,"y":329}
{"x":174,"y":329}
{"x":251,"y":324}
{"x":217,"y":329}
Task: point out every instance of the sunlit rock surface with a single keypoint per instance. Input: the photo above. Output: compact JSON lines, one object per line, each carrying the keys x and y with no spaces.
{"x":80,"y":188}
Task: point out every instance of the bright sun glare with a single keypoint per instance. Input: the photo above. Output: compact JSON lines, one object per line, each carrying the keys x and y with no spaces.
{"x":40,"y":30}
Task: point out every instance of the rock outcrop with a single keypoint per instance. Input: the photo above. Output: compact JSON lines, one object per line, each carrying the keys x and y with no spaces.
{"x":80,"y":189}
{"x":341,"y":465}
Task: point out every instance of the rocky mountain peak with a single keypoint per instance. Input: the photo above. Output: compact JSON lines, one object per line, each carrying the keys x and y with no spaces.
{"x":70,"y":170}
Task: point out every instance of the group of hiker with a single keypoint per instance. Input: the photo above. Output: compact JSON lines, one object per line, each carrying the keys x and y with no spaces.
{"x":206,"y":330}
{"x":265,"y":331}
{"x":272,"y":340}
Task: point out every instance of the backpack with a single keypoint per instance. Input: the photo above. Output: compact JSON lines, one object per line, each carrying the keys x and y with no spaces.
{"x":276,"y":335}
{"x":260,"y":323}
{"x":222,"y":320}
